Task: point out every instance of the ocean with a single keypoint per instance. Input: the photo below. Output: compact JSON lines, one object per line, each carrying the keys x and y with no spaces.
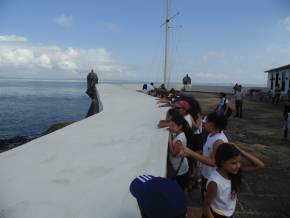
{"x":28,"y":108}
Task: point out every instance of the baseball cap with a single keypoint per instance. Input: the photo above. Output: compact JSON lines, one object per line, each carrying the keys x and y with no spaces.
{"x":158,"y":197}
{"x":182,"y":104}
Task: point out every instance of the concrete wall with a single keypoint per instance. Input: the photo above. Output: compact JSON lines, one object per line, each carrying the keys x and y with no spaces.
{"x":84,"y":170}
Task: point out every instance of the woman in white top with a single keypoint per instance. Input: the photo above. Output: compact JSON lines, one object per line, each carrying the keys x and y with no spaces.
{"x":179,"y":137}
{"x":214,"y":125}
{"x":224,"y":183}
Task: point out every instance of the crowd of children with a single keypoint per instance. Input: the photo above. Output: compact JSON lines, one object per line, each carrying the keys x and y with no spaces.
{"x":193,"y":139}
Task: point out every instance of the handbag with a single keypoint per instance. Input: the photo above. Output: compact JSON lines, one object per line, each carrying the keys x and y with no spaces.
{"x":171,"y":172}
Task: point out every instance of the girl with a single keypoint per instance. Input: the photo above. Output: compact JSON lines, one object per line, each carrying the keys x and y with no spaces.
{"x":179,"y":136}
{"x":224,"y":183}
{"x":196,"y":119}
{"x":183,"y":107}
{"x":223,"y":104}
{"x":165,"y":123}
{"x":214,"y":125}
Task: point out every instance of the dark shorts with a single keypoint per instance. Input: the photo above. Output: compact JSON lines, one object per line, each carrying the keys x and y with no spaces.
{"x":182,"y":180}
{"x":203,"y":187}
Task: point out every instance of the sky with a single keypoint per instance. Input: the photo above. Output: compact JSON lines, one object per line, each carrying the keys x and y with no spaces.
{"x":214,"y":41}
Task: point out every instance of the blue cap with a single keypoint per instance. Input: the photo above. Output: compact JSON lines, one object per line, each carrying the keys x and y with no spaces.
{"x":158,"y":197}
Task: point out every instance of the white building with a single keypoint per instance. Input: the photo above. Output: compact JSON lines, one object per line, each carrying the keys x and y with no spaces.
{"x":279,"y":75}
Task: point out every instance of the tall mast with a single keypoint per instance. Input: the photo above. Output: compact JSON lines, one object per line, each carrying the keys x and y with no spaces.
{"x":165,"y":75}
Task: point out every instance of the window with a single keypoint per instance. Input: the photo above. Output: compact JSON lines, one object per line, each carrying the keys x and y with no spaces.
{"x":283,"y":81}
{"x":277,"y":79}
{"x":272,"y":80}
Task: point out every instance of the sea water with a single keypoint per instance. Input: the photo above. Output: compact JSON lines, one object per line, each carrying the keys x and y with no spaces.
{"x":28,"y":108}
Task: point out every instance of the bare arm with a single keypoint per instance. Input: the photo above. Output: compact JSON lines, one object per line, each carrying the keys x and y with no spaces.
{"x":165,"y":105}
{"x":210,"y":161}
{"x":255,"y":163}
{"x":175,"y":148}
{"x":196,"y":124}
{"x":203,"y":159}
{"x":215,"y":147}
{"x":163,"y":101}
{"x":210,"y":195}
{"x":163,"y":123}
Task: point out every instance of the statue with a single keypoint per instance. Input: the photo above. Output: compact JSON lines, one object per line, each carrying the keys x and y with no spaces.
{"x":92,"y":80}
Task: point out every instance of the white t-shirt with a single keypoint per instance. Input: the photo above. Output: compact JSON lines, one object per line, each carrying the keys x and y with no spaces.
{"x":208,"y":149}
{"x":175,"y":161}
{"x":221,"y":104}
{"x":198,"y":130}
{"x":188,"y":120}
{"x":223,"y":203}
{"x":239,"y":95}
{"x":149,"y":87}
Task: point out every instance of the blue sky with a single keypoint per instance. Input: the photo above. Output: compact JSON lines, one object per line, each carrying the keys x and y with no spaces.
{"x":220,"y":41}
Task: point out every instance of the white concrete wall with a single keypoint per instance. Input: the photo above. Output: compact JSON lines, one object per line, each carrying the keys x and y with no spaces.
{"x":84,"y":170}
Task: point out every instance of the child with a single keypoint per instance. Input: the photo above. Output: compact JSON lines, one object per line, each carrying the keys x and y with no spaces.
{"x":183,"y":107}
{"x":223,"y":104}
{"x":214,"y":125}
{"x":286,"y":114}
{"x":165,"y":123}
{"x":195,"y":112}
{"x":224,"y":183}
{"x":180,"y":136}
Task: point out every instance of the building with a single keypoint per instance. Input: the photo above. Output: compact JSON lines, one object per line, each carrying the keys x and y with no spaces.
{"x":279,"y":76}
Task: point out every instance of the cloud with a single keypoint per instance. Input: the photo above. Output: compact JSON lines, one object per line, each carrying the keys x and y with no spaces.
{"x":12,"y":38}
{"x":43,"y":61}
{"x":63,"y":20}
{"x":287,"y":23}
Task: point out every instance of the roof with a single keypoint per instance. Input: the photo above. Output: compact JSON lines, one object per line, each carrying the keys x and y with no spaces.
{"x":278,"y":68}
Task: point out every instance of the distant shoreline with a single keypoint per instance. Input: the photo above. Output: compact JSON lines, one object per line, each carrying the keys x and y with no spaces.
{"x":130,"y":82}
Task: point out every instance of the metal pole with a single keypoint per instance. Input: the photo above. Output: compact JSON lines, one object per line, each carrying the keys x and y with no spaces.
{"x":165,"y":76}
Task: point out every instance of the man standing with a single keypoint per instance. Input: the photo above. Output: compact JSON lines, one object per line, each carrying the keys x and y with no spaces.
{"x":239,"y":100}
{"x":92,"y":80}
{"x":186,"y":82}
